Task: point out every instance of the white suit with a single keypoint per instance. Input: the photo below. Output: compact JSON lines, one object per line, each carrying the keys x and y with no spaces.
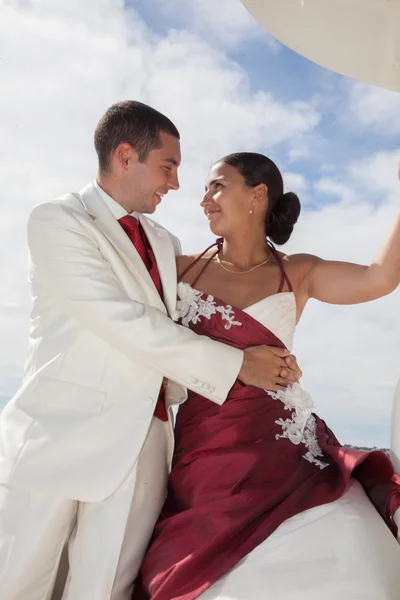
{"x":101,"y":344}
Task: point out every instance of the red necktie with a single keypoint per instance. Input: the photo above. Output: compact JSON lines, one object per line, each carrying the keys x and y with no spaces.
{"x":136,"y":234}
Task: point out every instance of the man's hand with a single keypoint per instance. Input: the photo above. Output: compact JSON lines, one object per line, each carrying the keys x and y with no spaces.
{"x":269,"y":368}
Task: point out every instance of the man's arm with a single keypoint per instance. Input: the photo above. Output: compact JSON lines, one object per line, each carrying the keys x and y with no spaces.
{"x":69,"y":266}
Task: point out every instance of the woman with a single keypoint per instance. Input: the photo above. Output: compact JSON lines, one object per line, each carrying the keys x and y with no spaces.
{"x":263,"y":502}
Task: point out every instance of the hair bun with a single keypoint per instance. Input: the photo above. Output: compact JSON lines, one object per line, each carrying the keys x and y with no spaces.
{"x":283,"y":218}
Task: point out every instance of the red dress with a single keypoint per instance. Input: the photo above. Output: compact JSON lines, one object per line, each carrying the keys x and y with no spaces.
{"x":238,"y":470}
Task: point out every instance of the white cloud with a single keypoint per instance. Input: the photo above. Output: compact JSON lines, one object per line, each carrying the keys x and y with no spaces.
{"x":377,"y":175}
{"x":295,"y":182}
{"x":335,"y":188}
{"x":376,"y":108}
{"x":370,"y":180}
{"x":228,"y":24}
{"x":73,"y":60}
{"x":357,"y":347}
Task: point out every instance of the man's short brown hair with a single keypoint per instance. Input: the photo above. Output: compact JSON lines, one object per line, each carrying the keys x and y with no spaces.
{"x":134,"y":123}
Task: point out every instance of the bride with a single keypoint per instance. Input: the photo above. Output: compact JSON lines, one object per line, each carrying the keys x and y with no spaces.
{"x":263,"y":501}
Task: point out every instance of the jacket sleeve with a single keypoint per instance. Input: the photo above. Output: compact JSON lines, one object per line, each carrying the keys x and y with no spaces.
{"x":67,"y":263}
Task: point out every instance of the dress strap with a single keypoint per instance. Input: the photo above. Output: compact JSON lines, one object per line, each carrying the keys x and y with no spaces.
{"x":284,"y":277}
{"x":218,"y":244}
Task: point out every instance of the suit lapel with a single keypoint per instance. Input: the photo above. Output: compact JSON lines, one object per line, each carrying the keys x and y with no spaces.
{"x":164,"y":253}
{"x":110,"y":227}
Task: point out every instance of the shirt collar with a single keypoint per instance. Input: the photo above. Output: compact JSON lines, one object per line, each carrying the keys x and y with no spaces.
{"x":116,"y":209}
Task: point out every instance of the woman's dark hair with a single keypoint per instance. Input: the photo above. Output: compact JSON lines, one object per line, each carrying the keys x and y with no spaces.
{"x":283,"y":209}
{"x":133,"y":122}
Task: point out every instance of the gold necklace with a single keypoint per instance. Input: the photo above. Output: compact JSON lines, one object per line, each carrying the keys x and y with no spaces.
{"x":264,"y":262}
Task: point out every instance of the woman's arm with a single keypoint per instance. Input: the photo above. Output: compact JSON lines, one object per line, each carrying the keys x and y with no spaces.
{"x":347,"y":283}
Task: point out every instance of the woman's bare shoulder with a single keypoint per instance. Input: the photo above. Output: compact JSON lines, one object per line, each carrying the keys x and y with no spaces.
{"x":299,"y":258}
{"x":184,"y":261}
{"x":301,"y":263}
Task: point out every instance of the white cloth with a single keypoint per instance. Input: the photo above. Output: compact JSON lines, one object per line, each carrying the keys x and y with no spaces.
{"x":107,"y":544}
{"x":338,"y":551}
{"x":395,"y":431}
{"x":34,"y":529}
{"x":148,"y":499}
{"x":116,"y":209}
{"x":111,"y":537}
{"x":100,"y":345}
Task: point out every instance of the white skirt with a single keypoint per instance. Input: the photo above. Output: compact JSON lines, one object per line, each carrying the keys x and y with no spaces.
{"x":339,"y":551}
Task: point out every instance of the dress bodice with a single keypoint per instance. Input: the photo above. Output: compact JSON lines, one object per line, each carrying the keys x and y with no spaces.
{"x":269,"y":322}
{"x":277,"y":312}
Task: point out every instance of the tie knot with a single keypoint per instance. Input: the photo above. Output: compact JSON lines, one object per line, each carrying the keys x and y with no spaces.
{"x":129,"y":223}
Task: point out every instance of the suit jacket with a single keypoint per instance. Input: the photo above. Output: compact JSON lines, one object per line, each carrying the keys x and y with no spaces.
{"x":100,"y":345}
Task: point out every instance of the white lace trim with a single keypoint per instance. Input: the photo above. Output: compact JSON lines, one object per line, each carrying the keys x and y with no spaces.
{"x":191,"y":307}
{"x":301,"y":427}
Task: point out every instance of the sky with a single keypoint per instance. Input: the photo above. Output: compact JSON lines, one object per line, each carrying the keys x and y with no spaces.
{"x":229,"y":86}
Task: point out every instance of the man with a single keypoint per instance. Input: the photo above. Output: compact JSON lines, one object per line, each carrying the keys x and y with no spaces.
{"x":82,"y":458}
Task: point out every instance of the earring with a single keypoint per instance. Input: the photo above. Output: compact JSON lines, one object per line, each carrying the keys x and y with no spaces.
{"x":251,"y":211}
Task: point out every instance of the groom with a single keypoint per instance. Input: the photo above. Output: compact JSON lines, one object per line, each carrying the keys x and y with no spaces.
{"x":85,"y":444}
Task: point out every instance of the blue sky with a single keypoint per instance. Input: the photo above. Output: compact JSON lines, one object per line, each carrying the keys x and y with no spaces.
{"x":229,"y":86}
{"x":274,"y":68}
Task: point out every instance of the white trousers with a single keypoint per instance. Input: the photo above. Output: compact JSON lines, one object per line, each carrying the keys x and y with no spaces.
{"x":106,"y":540}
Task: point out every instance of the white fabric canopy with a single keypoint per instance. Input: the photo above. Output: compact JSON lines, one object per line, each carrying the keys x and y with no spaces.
{"x":357,"y":38}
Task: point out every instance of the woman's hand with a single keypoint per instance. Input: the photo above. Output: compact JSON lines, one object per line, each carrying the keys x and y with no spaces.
{"x":269,"y":368}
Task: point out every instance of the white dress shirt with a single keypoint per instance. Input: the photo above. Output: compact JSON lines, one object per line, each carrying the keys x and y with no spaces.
{"x":116,"y":209}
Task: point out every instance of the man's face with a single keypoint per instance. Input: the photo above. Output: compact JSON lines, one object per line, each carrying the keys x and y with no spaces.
{"x":150,"y":180}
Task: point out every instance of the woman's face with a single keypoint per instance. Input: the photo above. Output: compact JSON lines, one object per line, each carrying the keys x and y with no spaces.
{"x":228,"y":201}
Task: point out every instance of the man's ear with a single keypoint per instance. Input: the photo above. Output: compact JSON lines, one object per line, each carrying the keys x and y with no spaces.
{"x":125,"y":155}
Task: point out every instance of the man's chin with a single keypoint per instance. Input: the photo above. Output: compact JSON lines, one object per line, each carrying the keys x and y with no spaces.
{"x":155,"y":203}
{"x":150,"y":208}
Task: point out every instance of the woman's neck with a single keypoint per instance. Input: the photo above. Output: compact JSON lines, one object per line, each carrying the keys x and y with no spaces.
{"x":245,"y":251}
